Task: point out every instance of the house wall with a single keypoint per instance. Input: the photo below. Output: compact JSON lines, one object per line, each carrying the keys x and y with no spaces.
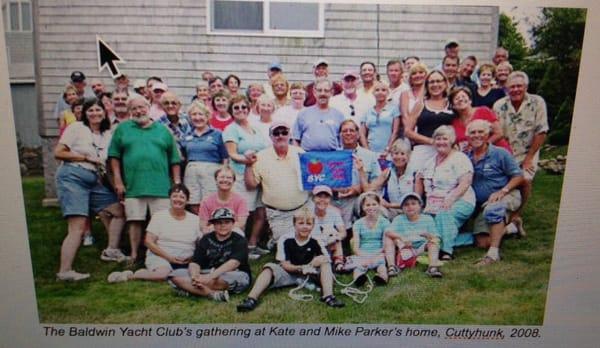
{"x":169,"y":39}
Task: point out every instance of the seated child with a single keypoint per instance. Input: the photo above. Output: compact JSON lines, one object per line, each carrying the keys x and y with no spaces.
{"x":413,"y":230}
{"x":219,"y":263}
{"x":328,"y":223}
{"x":367,"y":240}
{"x":299,"y":255}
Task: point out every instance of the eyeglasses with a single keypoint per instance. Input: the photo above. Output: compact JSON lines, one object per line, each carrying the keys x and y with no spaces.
{"x":352,"y":113}
{"x":239,"y":107}
{"x":283,"y":132}
{"x":435,"y":81}
{"x":170,"y":102}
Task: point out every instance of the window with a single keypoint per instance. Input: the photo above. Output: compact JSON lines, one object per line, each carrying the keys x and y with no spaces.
{"x":17,"y":16}
{"x":269,"y":18}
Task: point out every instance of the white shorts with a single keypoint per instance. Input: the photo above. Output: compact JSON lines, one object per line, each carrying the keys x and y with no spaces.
{"x":200,"y":180}
{"x":137,"y":208}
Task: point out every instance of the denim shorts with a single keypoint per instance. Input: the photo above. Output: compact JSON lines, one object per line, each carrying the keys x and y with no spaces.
{"x":80,"y":192}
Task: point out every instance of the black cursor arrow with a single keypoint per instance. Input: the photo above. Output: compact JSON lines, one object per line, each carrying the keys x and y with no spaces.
{"x":107,"y":58}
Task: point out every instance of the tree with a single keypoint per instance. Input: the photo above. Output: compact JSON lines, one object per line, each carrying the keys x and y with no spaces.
{"x":558,"y":40}
{"x":510,"y":38}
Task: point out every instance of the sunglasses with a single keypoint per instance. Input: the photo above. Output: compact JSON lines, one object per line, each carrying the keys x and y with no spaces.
{"x":239,"y":107}
{"x":283,"y":132}
{"x":352,"y":112}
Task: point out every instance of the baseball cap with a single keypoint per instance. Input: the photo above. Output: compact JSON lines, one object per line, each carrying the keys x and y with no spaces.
{"x":320,"y":61}
{"x":222,"y":214}
{"x":160,"y":85}
{"x":350,"y":73}
{"x":320,"y":189}
{"x":77,"y":76}
{"x":451,"y":43}
{"x":410,"y":195}
{"x":278,"y":124}
{"x":139,"y":83}
{"x":275,"y":66}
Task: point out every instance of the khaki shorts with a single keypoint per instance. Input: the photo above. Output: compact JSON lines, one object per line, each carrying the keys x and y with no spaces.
{"x":200,"y":180}
{"x":136,"y":208}
{"x":512,"y":201}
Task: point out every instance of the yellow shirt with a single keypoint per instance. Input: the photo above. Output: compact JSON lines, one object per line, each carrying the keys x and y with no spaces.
{"x":280,"y":178}
{"x":69,"y":117}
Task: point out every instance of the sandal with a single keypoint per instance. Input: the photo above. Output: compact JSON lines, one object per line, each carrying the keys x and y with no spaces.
{"x":332,"y":301}
{"x":434,"y":272}
{"x":444,"y":256}
{"x":360,"y":280}
{"x":393,"y":271}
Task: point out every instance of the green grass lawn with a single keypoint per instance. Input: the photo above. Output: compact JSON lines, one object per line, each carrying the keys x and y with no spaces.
{"x":512,"y":292}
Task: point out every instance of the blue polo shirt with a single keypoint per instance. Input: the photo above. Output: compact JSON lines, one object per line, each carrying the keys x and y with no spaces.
{"x":380,"y":126}
{"x":208,"y":147}
{"x":318,"y":130}
{"x":493,"y":172}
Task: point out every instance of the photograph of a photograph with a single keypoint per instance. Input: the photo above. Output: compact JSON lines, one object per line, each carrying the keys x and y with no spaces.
{"x":256,"y":162}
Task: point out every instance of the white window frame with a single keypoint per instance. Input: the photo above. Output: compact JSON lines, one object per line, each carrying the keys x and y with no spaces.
{"x":320,"y":33}
{"x":20,"y":15}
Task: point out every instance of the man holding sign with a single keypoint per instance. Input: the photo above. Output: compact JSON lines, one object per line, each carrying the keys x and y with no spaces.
{"x":276,"y":169}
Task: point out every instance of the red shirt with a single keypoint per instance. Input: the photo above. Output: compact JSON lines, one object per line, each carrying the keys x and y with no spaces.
{"x":219,"y":124}
{"x":481,"y":113}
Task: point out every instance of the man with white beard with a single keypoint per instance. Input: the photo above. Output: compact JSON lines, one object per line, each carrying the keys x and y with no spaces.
{"x":147,"y":153}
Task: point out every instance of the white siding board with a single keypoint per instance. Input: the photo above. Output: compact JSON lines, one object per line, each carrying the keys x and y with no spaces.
{"x":169,"y":39}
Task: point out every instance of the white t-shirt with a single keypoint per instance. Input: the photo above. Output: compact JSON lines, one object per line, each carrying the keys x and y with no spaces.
{"x":176,"y":237}
{"x":287,"y":114}
{"x":79,"y":139}
{"x":441,"y":179}
{"x":346,"y":106}
{"x":262,"y":128}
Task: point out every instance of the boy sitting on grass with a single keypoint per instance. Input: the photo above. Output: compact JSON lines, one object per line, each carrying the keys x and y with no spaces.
{"x":299,"y":256}
{"x":413,"y":230}
{"x":219,"y":263}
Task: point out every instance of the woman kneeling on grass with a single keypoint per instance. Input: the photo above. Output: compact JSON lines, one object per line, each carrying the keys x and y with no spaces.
{"x":367,"y":240}
{"x":414,"y":233}
{"x":170,"y":238}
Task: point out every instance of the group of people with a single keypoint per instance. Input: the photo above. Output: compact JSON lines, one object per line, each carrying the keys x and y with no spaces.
{"x":432,"y":149}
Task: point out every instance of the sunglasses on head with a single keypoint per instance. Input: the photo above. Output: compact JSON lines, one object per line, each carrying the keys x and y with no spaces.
{"x":239,"y":107}
{"x":280,"y":132}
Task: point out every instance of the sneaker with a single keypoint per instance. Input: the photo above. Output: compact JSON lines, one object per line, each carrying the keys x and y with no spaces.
{"x":361,"y":280}
{"x":71,"y":276}
{"x":332,"y":301}
{"x":119,"y":277}
{"x":247,"y":305}
{"x":271,"y":244}
{"x":253,"y":256}
{"x":180,"y":292}
{"x":258,"y":250}
{"x":88,"y":239}
{"x":220,"y":296}
{"x":110,"y":254}
{"x":485,"y":261}
{"x":434,"y":272}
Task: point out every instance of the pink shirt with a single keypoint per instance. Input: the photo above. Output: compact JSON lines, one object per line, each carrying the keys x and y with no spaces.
{"x":211,"y":203}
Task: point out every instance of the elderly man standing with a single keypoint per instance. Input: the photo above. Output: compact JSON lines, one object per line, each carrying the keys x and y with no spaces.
{"x":156,"y":91}
{"x":277,"y":169}
{"x":146,"y":152}
{"x":317,"y":127}
{"x":495,"y":181}
{"x":524,"y":121}
{"x":119,"y":100}
{"x":348,"y":102}
{"x":321,"y":71}
{"x":178,"y":124}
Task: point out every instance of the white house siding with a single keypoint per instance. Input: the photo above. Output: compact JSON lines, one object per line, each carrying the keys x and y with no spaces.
{"x":169,"y":39}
